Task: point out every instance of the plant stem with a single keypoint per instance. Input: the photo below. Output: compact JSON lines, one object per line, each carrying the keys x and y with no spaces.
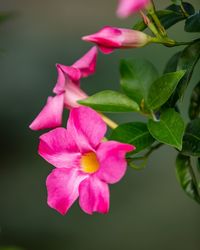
{"x":152,"y":11}
{"x":108,"y":121}
{"x":184,"y":11}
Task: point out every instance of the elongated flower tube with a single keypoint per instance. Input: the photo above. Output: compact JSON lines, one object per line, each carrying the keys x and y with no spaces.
{"x":128,"y":7}
{"x":84,"y":164}
{"x":111,"y":38}
{"x":67,"y":90}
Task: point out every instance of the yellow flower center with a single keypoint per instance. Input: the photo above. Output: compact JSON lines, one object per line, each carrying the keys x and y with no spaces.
{"x":89,"y":163}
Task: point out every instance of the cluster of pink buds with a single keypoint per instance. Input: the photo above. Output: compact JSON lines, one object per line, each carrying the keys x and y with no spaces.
{"x":85,"y":163}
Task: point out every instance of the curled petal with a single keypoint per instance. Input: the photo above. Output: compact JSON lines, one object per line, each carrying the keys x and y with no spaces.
{"x":62,"y":187}
{"x":112,"y":160}
{"x":94,"y":196}
{"x":87,"y":128}
{"x":87,"y":64}
{"x":111,"y":38}
{"x":51,"y":114}
{"x":66,"y":74}
{"x":59,"y":149}
{"x":73,"y":93}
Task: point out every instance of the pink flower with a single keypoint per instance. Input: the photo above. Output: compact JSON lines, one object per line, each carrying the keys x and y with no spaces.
{"x":111,"y":38}
{"x":85,"y":165}
{"x":67,"y":90}
{"x":127,"y":7}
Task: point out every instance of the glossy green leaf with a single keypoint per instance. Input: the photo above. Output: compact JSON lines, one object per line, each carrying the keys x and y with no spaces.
{"x":168,"y":17}
{"x":191,"y":139}
{"x":186,"y":177}
{"x":171,"y":65}
{"x":110,"y":101}
{"x":192,"y":23}
{"x":162,"y":89}
{"x":136,"y":78}
{"x":169,"y":129}
{"x":187,"y":61}
{"x":194,"y":109}
{"x":135,"y":133}
{"x":188,"y":7}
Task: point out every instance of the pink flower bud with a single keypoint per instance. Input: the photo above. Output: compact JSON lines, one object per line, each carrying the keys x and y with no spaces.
{"x":127,"y":7}
{"x":111,"y":38}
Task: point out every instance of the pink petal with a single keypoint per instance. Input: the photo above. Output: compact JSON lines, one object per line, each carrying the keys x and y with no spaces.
{"x":62,"y":187}
{"x":107,"y":37}
{"x":59,"y":149}
{"x":112,"y":160}
{"x":87,"y":63}
{"x":51,"y":114}
{"x":87,"y":128}
{"x":128,"y":7}
{"x":66,"y":74}
{"x":73,"y":93}
{"x":94,"y":196}
{"x":105,"y":50}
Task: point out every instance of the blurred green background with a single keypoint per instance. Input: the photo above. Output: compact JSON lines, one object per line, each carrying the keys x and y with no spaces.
{"x":148,"y":208}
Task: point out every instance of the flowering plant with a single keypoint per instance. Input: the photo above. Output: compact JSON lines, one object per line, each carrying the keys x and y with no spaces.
{"x":85,"y":160}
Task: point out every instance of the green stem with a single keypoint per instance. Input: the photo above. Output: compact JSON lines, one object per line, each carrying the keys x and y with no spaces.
{"x":184,"y":11}
{"x":167,"y":42}
{"x":152,"y":12}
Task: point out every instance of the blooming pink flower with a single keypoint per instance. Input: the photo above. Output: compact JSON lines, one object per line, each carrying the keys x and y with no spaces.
{"x":67,"y":90}
{"x":110,"y":38}
{"x":127,"y":7}
{"x":85,"y":165}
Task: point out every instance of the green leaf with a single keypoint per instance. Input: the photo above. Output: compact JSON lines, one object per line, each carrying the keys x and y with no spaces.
{"x":187,"y":61}
{"x":191,"y":139}
{"x":135,"y":133}
{"x":192,"y":23}
{"x":162,"y":89}
{"x":189,"y":9}
{"x":194,"y":109}
{"x":168,"y":17}
{"x":171,"y":65}
{"x":136,"y":78}
{"x":186,"y":177}
{"x":110,"y":101}
{"x":169,"y":129}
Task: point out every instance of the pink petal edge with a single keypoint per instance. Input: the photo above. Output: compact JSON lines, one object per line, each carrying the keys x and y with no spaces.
{"x":51,"y":114}
{"x":94,"y":196}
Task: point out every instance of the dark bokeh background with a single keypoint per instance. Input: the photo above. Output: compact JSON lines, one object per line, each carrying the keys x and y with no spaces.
{"x":148,"y":208}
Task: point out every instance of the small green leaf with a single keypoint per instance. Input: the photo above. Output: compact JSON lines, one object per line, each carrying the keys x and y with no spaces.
{"x":187,"y":61}
{"x":186,"y":177}
{"x":168,"y":17}
{"x":189,"y":9}
{"x":136,"y":78}
{"x":135,"y":133}
{"x":171,"y":65}
{"x":110,"y":101}
{"x":162,"y":89}
{"x":191,"y":139}
{"x":169,"y":129}
{"x":192,"y":23}
{"x":194,"y":109}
